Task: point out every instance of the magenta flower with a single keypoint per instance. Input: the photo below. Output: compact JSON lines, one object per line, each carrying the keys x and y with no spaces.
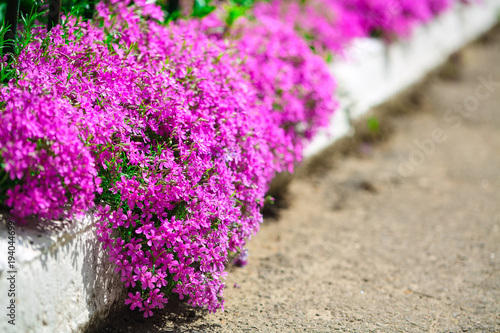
{"x":135,"y":300}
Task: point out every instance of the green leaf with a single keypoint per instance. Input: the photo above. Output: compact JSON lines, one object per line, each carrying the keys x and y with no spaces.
{"x":202,"y":9}
{"x":373,"y":124}
{"x":234,"y":12}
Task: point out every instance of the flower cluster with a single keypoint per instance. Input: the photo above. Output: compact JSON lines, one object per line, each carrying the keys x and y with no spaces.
{"x":184,"y":149}
{"x":41,"y":147}
{"x":394,"y":18}
{"x":172,"y":133}
{"x":295,"y":82}
{"x":324,"y":24}
{"x":211,"y":154}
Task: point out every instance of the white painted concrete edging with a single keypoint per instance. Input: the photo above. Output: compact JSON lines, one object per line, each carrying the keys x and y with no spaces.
{"x":63,"y":281}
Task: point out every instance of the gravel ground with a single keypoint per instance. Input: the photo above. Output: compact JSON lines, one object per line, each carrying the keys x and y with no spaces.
{"x":399,"y":232}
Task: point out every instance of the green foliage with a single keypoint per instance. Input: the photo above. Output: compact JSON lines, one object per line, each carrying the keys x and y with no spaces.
{"x":234,"y":11}
{"x":373,"y":124}
{"x":79,"y":8}
{"x":5,"y":183}
{"x":244,"y":3}
{"x":23,"y":38}
{"x":202,"y":8}
{"x":3,"y":9}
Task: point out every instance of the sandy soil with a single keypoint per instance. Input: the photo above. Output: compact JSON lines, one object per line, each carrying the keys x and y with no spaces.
{"x":371,"y":243}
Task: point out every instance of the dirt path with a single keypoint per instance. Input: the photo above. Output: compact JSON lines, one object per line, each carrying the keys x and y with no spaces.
{"x":371,"y":243}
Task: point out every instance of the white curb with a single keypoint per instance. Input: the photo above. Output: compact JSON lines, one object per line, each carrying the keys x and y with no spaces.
{"x":63,"y":281}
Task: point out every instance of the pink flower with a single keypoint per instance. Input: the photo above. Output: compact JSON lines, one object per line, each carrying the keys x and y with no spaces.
{"x":135,"y":300}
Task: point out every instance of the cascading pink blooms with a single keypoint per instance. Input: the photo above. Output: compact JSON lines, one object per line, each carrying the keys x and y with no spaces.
{"x":381,"y":16}
{"x":324,"y":24}
{"x":293,"y":83}
{"x":394,"y":18}
{"x":41,"y":146}
{"x":172,"y":133}
{"x":181,"y":142}
{"x":227,"y":153}
{"x":289,"y":77}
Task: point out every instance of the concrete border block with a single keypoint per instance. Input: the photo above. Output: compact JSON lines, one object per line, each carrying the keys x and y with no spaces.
{"x":63,"y":280}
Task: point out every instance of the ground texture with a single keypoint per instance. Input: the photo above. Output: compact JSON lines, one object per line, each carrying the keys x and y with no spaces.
{"x":396,"y":230}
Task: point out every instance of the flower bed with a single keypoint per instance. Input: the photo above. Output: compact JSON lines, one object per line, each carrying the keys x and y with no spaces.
{"x":171,"y":133}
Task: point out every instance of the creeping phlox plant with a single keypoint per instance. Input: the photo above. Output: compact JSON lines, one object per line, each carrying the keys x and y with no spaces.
{"x":288,"y":76}
{"x":172,"y":133}
{"x":292,"y":82}
{"x":45,"y":168}
{"x":395,"y":18}
{"x":183,"y":150}
{"x":211,"y":155}
{"x":324,"y":24}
